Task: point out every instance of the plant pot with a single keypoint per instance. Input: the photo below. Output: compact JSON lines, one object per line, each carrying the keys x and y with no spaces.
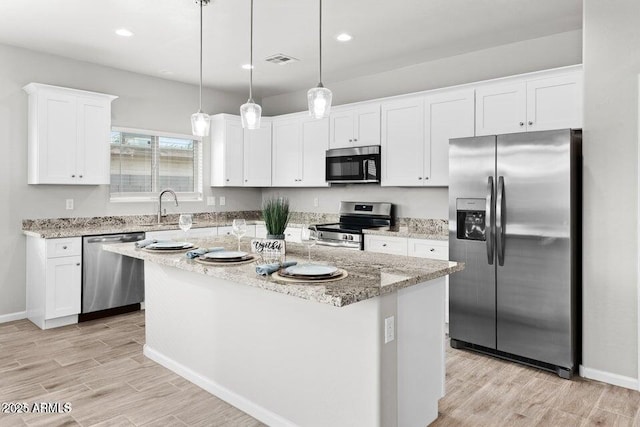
{"x":275,"y":236}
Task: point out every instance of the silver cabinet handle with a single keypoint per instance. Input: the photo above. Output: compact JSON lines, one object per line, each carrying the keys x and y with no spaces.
{"x":384,"y":244}
{"x":530,"y":123}
{"x":521,"y":123}
{"x":488,"y":220}
{"x":246,"y":180}
{"x":355,"y":139}
{"x":432,"y":250}
{"x":500,"y":214}
{"x":73,"y":176}
{"x":419,"y":177}
{"x":227,"y":179}
{"x":426,"y":177}
{"x":78,"y":264}
{"x":80,"y":176}
{"x":351,"y":140}
{"x":64,"y":247}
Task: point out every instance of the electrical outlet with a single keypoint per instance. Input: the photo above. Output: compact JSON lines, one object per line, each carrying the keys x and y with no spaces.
{"x":69,"y":204}
{"x":211,"y":200}
{"x":223,"y":201}
{"x":315,"y":202}
{"x":389,"y":329}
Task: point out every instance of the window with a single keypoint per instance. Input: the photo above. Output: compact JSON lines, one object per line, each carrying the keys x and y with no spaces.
{"x":143,"y":163}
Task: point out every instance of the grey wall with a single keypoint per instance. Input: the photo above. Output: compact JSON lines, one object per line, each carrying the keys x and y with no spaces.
{"x":532,"y":55}
{"x":611,"y":67}
{"x":144,"y":102}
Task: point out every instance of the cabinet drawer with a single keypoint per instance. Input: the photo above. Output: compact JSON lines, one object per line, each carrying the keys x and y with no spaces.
{"x":64,"y":247}
{"x":386,"y":245}
{"x":435,"y":249}
{"x":225,"y":230}
{"x":202,"y":232}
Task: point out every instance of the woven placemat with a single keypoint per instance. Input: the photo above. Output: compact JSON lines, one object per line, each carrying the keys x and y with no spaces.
{"x":167,"y":251}
{"x":252,"y":258}
{"x":281,"y":278}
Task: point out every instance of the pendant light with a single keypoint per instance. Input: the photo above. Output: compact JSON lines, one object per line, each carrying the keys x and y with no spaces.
{"x":319,"y":97}
{"x":201,"y":122}
{"x":251,"y":112}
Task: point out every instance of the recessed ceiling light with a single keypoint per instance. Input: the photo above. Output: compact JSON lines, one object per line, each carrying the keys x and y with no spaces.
{"x":248,"y":66}
{"x":124,"y":32}
{"x":344,"y":37}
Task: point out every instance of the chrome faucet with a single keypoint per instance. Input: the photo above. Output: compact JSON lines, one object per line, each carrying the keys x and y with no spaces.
{"x":167,"y":190}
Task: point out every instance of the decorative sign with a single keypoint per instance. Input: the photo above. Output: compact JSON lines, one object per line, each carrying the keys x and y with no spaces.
{"x":269,"y":249}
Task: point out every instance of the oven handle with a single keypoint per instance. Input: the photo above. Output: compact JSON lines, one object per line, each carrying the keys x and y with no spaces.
{"x":336,"y":245}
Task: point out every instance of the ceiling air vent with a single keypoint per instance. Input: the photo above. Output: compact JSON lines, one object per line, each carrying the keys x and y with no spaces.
{"x":281,"y":59}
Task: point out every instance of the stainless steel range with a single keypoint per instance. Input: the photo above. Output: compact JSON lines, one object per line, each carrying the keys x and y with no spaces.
{"x":355,"y":217}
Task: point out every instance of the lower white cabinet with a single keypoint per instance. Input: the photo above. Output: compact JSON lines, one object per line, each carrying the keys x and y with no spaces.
{"x":419,"y":248}
{"x":293,"y":234}
{"x":54,"y":281}
{"x":386,"y":244}
{"x":198,"y":233}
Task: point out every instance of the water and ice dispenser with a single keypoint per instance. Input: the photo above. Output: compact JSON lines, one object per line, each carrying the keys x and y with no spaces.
{"x":471,"y":215}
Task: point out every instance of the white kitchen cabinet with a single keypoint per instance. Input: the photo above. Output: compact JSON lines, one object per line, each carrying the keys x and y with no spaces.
{"x":261,"y":231}
{"x":434,"y":249}
{"x":176,"y":234}
{"x":198,"y":233}
{"x":54,"y":282}
{"x":355,"y":126}
{"x":257,"y":155}
{"x":293,"y":234}
{"x":69,"y":136}
{"x":299,"y":149}
{"x":530,"y":104}
{"x":385,"y":244}
{"x":227,"y":152}
{"x":447,"y":115}
{"x":402,"y":144}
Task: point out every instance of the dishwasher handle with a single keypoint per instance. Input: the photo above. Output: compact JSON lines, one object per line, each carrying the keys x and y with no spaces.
{"x":117,"y":238}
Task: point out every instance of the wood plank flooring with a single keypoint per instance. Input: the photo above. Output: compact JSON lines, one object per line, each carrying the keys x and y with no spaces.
{"x":98,"y":366}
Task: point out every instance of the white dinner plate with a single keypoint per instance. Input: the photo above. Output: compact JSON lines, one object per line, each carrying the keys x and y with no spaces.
{"x":310,"y":270}
{"x":225,"y":254}
{"x":170,"y":245}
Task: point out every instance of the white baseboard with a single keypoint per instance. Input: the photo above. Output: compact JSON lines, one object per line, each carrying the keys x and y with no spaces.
{"x":609,"y":378}
{"x":13,"y":316}
{"x":240,"y":402}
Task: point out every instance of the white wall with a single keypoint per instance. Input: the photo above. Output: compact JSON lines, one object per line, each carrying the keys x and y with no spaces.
{"x":611,"y":67}
{"x":144,"y":102}
{"x":515,"y":58}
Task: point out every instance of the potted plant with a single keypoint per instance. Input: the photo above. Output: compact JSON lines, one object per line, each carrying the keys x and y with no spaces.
{"x":276,"y":214}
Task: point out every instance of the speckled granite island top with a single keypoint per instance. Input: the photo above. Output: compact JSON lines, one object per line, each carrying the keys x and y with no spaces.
{"x":370,"y":274}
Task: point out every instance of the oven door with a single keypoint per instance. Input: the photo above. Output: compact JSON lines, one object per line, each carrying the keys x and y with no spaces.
{"x":353,"y":168}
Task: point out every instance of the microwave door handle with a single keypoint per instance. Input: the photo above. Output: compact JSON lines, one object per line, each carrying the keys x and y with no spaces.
{"x":365,"y":168}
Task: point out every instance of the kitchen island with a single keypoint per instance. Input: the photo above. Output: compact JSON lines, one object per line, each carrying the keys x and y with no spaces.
{"x":303,"y":354}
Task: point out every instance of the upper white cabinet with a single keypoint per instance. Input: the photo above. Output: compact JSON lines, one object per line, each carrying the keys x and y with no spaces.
{"x":240,"y":157}
{"x":530,"y":104}
{"x":402,"y":148}
{"x":257,"y":155}
{"x":299,"y":147}
{"x":69,"y":134}
{"x":446,"y":115}
{"x":354,"y":126}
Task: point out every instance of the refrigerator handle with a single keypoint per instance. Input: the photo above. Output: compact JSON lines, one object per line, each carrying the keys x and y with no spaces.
{"x":488,"y":221}
{"x":500,"y":213}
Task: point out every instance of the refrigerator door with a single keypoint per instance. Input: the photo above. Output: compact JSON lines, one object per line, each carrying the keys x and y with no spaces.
{"x":471,"y":211}
{"x":533,"y":245}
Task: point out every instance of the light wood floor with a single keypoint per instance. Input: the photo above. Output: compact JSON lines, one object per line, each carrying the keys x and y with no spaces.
{"x":99,"y":367}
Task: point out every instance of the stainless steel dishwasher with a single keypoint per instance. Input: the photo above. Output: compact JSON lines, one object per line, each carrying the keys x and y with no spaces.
{"x":111,"y":283}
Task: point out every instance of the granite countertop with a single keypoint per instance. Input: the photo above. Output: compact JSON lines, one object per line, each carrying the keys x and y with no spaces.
{"x":370,"y":274}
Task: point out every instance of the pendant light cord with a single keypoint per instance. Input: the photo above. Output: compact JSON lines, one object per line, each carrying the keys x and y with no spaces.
{"x":201,"y":1}
{"x":320,"y":40}
{"x":251,"y":57}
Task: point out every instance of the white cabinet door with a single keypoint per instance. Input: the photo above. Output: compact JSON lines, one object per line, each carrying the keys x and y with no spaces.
{"x":555,"y":102}
{"x":447,"y":115}
{"x":403,"y":142}
{"x":315,"y":139}
{"x":293,"y":234}
{"x":198,"y":233}
{"x":94,"y":122}
{"x":501,"y":108}
{"x":386,"y":244}
{"x":367,"y":125}
{"x":435,"y":249}
{"x":287,"y":153}
{"x":234,"y":153}
{"x":55,"y":159}
{"x":63,"y":287}
{"x":257,"y":156}
{"x":261,"y":231}
{"x":341,"y":128}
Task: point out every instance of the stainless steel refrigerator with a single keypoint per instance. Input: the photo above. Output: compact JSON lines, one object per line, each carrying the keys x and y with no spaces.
{"x":515,"y":221}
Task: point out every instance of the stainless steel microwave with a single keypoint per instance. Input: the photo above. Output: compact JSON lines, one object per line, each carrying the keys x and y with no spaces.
{"x":353,"y":165}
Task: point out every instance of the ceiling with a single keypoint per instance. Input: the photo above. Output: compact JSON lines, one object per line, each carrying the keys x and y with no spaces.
{"x":386,"y":34}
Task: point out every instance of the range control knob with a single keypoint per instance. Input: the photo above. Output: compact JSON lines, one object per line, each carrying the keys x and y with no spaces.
{"x":350,"y":237}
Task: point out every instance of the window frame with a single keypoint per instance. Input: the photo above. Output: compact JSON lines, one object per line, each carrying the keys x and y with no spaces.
{"x":194,"y":196}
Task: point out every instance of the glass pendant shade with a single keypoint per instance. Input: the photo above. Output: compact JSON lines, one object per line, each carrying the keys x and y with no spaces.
{"x":200,"y":124}
{"x":319,"y":102}
{"x":251,"y":114}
